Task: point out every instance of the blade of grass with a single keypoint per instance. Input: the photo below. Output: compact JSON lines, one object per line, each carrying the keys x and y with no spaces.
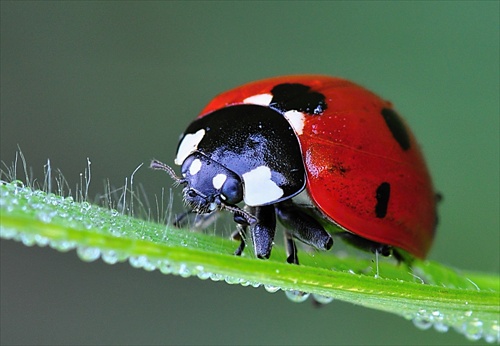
{"x":468,"y":302}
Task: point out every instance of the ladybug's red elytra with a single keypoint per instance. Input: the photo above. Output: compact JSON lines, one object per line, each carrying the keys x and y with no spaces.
{"x":320,"y":154}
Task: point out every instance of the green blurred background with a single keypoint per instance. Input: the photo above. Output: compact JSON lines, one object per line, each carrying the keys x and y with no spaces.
{"x":119,"y":81}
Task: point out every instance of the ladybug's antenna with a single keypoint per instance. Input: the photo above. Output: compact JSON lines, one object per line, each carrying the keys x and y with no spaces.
{"x":158,"y":165}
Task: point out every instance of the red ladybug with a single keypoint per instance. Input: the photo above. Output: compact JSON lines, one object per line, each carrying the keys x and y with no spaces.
{"x":317,"y":153}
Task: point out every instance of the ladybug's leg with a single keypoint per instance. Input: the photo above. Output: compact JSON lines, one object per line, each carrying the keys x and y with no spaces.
{"x":200,"y":221}
{"x":365,"y":244}
{"x":377,"y":248}
{"x":240,"y":235}
{"x":303,"y":226}
{"x":291,"y":249}
{"x":263,"y":229}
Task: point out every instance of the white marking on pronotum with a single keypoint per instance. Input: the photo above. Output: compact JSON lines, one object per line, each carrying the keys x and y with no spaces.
{"x":195,"y":166}
{"x":188,"y":145}
{"x":260,"y":99}
{"x":296,"y":120}
{"x":259,"y":188}
{"x":219,"y":180}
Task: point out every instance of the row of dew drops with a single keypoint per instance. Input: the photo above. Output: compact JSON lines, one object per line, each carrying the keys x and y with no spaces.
{"x":10,"y":194}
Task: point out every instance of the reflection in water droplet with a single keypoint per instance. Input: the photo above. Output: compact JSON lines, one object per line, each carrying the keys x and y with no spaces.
{"x":232,"y":280}
{"x":322,"y":299}
{"x":297,"y":296}
{"x":204,"y":275}
{"x":111,"y":256}
{"x":216,"y":277}
{"x":271,"y":288}
{"x":165,"y":267}
{"x":422,"y":323}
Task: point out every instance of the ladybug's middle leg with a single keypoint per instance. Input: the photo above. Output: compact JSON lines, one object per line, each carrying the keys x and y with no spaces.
{"x":303,"y":227}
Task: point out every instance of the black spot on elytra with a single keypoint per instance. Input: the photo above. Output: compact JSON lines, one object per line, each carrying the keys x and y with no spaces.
{"x":382,"y":195}
{"x":297,"y":97}
{"x":396,"y":127}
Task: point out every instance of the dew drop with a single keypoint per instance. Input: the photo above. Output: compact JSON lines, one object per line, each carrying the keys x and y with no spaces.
{"x":45,"y":216}
{"x":27,"y":239}
{"x":491,"y":332}
{"x":7,"y":233}
{"x":232,"y":280}
{"x":184,"y":271}
{"x":203,"y":275}
{"x":41,"y":240}
{"x":165,"y":267}
{"x":297,"y":296}
{"x":423,"y":320}
{"x":18,"y":184}
{"x":88,"y":254}
{"x":149,"y":265}
{"x":137,"y":261}
{"x":85,"y":206}
{"x":198,"y":269}
{"x":322,"y":299}
{"x":473,"y":329}
{"x":441,"y":327}
{"x":216,"y":277}
{"x":439,"y":324}
{"x":111,"y":256}
{"x":422,"y":323}
{"x":271,"y":288}
{"x":62,"y":245}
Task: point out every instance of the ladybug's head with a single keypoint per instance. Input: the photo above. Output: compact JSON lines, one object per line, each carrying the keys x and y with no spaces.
{"x":208,"y":185}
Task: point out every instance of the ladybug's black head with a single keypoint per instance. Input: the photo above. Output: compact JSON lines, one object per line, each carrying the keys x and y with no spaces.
{"x":208,"y":184}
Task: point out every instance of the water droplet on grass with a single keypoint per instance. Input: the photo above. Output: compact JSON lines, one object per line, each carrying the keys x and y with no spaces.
{"x":473,"y":330}
{"x":271,"y":288}
{"x":322,"y":299}
{"x":297,"y":296}
{"x":88,"y":254}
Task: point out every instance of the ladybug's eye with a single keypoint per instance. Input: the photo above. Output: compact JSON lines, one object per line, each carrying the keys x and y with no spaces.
{"x":232,"y":190}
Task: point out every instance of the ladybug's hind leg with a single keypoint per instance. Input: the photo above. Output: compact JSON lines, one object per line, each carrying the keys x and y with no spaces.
{"x":291,"y":249}
{"x":375,"y":247}
{"x":303,"y":227}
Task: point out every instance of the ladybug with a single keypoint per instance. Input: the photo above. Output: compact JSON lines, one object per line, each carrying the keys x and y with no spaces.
{"x":320,"y":154}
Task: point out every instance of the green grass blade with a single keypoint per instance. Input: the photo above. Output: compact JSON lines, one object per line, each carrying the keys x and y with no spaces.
{"x":429,"y":293}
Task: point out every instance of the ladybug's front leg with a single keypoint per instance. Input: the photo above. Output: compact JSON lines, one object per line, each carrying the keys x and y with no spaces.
{"x":263,"y":230}
{"x":240,"y":235}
